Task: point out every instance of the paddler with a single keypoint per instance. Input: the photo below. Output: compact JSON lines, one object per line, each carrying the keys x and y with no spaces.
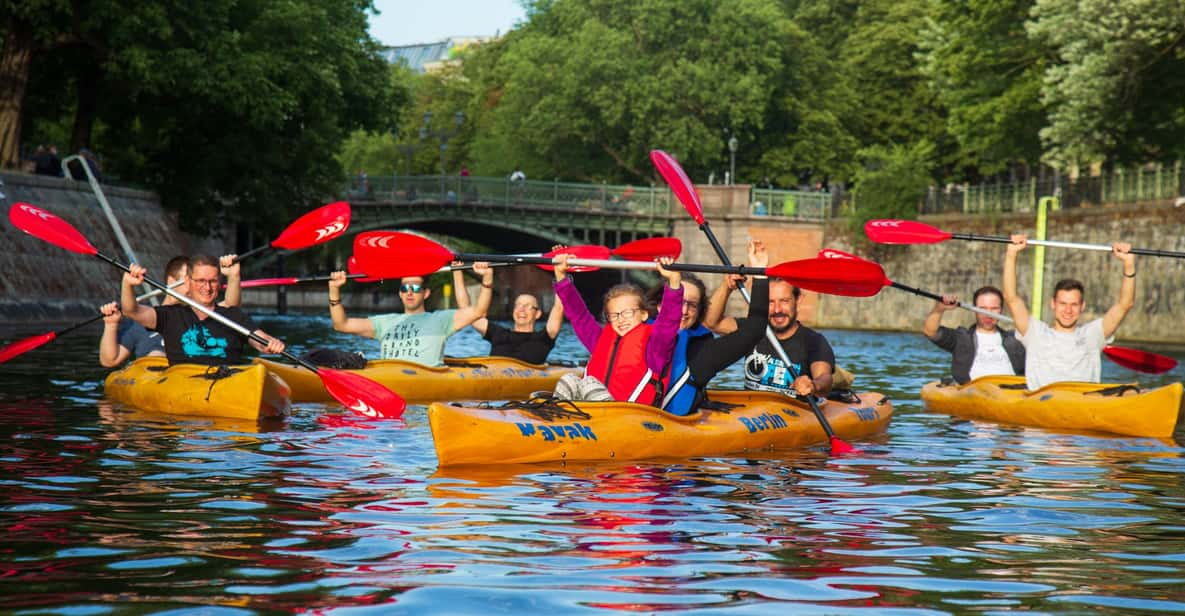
{"x":977,"y":350}
{"x":807,"y":349}
{"x":698,"y":355}
{"x":628,"y":354}
{"x":190,"y":336}
{"x":123,"y":340}
{"x":1066,"y":351}
{"x":416,"y":334}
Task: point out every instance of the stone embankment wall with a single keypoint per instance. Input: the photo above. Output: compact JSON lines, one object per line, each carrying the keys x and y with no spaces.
{"x":42,"y":282}
{"x":960,"y":266}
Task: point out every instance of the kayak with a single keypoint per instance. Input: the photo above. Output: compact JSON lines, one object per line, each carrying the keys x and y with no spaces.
{"x":735,"y":422}
{"x":1095,"y":407}
{"x":243,"y":392}
{"x":470,"y":378}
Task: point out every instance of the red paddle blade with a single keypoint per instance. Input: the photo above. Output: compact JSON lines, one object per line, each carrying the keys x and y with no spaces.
{"x":650,"y":248}
{"x":268,"y":282}
{"x":840,"y":447}
{"x":832,"y":253}
{"x":352,"y":268}
{"x":43,"y":225}
{"x":392,"y":254}
{"x":20,"y":347}
{"x":579,"y":252}
{"x":903,"y":232}
{"x":850,"y":277}
{"x":1140,"y":361}
{"x":316,"y":227}
{"x":362,"y":395}
{"x":680,"y":184}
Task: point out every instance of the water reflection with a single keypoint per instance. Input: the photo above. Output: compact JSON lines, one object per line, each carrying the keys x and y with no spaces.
{"x":106,"y":508}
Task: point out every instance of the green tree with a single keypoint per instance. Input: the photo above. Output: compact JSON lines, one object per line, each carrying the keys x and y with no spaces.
{"x":586,"y":88}
{"x":892,"y":181}
{"x":226,"y":108}
{"x":1115,"y":92}
{"x":987,"y":73}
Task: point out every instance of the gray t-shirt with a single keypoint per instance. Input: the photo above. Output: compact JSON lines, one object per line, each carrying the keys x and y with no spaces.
{"x":415,"y":337}
{"x":1052,"y":356}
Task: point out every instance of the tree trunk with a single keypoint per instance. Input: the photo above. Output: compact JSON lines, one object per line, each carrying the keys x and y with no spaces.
{"x":15,"y":60}
{"x":84,"y":114}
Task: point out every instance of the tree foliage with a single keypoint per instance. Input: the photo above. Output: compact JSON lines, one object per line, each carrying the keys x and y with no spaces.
{"x":225,"y":107}
{"x":1115,"y":93}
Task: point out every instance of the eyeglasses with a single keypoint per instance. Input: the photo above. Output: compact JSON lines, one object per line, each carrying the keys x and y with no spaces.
{"x":411,"y":288}
{"x":209,"y":282}
{"x":628,"y":313}
{"x":525,"y":307}
{"x":691,"y":306}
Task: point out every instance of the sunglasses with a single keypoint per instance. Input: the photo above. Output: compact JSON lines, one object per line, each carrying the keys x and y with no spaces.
{"x":411,"y":288}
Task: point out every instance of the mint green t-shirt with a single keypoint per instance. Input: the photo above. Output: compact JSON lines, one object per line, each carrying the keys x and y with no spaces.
{"x":414,"y":337}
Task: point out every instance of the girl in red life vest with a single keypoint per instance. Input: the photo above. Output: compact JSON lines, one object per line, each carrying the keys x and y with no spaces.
{"x":628,"y":354}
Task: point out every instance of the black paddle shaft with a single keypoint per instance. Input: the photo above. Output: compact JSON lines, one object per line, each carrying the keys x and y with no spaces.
{"x":674,"y":267}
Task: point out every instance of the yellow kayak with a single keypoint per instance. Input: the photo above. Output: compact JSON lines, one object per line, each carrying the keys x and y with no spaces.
{"x":1096,"y":407}
{"x":741,"y":421}
{"x":471,"y":378}
{"x":244,"y":392}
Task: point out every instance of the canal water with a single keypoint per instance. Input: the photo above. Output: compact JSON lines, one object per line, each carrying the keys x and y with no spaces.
{"x":106,"y":510}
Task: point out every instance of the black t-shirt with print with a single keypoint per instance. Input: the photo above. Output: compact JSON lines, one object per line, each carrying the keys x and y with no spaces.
{"x":190,"y":340}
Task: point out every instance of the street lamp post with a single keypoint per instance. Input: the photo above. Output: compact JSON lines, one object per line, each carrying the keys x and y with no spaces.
{"x":443,"y":134}
{"x":407,"y":149}
{"x":732,"y":159}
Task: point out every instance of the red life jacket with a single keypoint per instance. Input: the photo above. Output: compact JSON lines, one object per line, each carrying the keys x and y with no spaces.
{"x":620,"y":363}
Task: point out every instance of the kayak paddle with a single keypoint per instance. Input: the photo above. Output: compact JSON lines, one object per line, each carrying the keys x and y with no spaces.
{"x":1133,"y":359}
{"x":685,"y":191}
{"x":20,"y":347}
{"x":1140,"y":361}
{"x":315,"y":227}
{"x":392,"y":254}
{"x":355,"y":392}
{"x":887,"y":231}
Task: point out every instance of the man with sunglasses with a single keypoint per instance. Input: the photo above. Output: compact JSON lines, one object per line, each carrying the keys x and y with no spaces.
{"x":191,"y":336}
{"x":416,"y":334}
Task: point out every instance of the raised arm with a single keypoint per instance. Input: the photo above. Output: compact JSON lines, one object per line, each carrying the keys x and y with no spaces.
{"x":466,"y":316}
{"x":1127,"y":290}
{"x":934,"y":319}
{"x":111,"y":353}
{"x":461,"y":292}
{"x":555,"y":318}
{"x":234,"y":288}
{"x":144,"y":315}
{"x":714,"y":318}
{"x":337,"y":312}
{"x":1016,"y":305}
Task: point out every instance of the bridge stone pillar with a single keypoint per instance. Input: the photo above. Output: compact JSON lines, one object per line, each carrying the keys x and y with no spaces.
{"x":786,"y":240}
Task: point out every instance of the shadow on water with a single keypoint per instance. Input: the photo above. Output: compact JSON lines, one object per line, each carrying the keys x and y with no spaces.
{"x":108,"y":509}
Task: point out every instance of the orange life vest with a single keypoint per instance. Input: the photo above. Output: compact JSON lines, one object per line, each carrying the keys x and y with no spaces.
{"x":620,"y":363}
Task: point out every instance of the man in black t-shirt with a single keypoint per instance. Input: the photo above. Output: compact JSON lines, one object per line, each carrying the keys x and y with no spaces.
{"x":809,"y":352}
{"x":191,"y":336}
{"x":523,"y":341}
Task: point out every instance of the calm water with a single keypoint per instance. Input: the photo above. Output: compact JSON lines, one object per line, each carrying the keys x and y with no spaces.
{"x":109,"y":511}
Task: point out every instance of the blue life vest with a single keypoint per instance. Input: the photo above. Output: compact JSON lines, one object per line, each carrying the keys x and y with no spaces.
{"x":682,"y":393}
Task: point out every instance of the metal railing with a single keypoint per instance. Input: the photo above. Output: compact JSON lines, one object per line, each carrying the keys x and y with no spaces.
{"x":1150,"y":183}
{"x":625,"y":198}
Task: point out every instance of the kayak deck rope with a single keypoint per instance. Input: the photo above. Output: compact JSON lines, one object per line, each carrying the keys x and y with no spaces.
{"x":546,"y":408}
{"x":215,"y":374}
